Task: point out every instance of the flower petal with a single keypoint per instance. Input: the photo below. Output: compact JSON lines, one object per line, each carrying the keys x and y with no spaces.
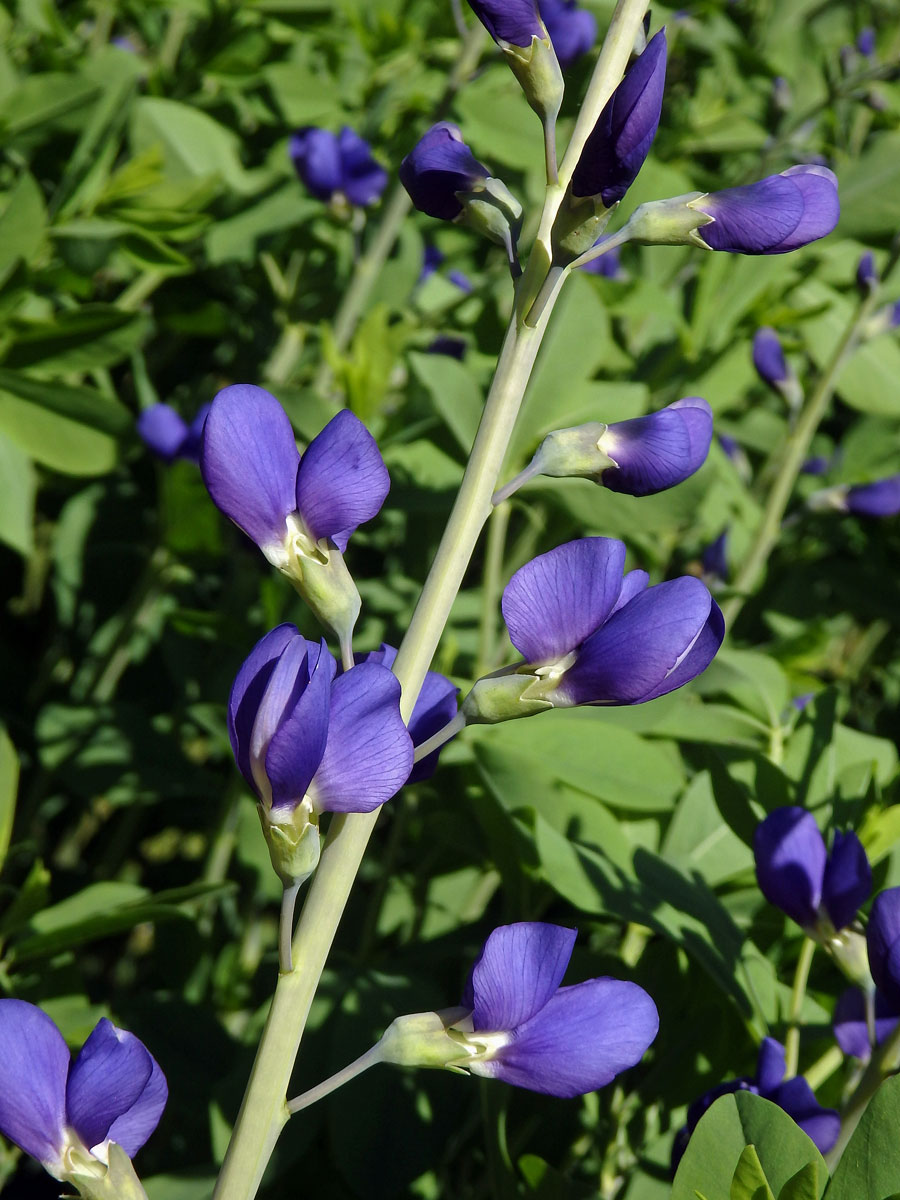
{"x":34,"y":1063}
{"x":249,"y":462}
{"x":790,"y":863}
{"x":753,"y":219}
{"x":248,"y":689}
{"x":851,"y":1028}
{"x":572,"y":30}
{"x":848,"y":879}
{"x":821,"y":207}
{"x":438,"y":166}
{"x":435,"y":707}
{"x":771,"y":1064}
{"x":297,"y":745}
{"x":317,"y":160}
{"x":768,"y":356}
{"x":635,"y":655}
{"x":363,"y":178}
{"x":580,"y":1040}
{"x":879,"y":499}
{"x":368,"y":755}
{"x":342,"y":480}
{"x":116,"y":1090}
{"x":633,"y":584}
{"x":559,"y":598}
{"x":699,"y":656}
{"x":517,"y":972}
{"x":659,"y":450}
{"x":883,"y":940}
{"x":796,"y":1097}
{"x":162,"y":430}
{"x":514,"y":21}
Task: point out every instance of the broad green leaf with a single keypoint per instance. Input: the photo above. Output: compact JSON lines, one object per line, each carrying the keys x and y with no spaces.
{"x":734,"y":1122}
{"x":749,"y":1182}
{"x":79,"y":339}
{"x":44,"y":99}
{"x":9,"y":786}
{"x":18,"y":487}
{"x":237,"y":237}
{"x":22,"y":222}
{"x":193,"y":144}
{"x":455,"y":394}
{"x":495,"y":116}
{"x":304,"y":97}
{"x":54,"y":440}
{"x":870,"y":190}
{"x":870,"y":1165}
{"x":33,"y":896}
{"x":85,"y":405}
{"x":802,"y":1186}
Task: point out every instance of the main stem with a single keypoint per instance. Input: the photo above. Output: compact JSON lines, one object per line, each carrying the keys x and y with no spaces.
{"x":264,"y":1110}
{"x":795,"y":451}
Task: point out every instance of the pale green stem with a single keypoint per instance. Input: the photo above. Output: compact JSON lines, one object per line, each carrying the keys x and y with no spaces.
{"x":881,"y":1064}
{"x":491,"y":586}
{"x":140,"y":289}
{"x":823,"y":1068}
{"x":796,"y":448}
{"x":550,"y":150}
{"x":530,"y":472}
{"x":451,"y":729}
{"x":798,"y":994}
{"x":264,"y":1109}
{"x":619,"y":238}
{"x":321,"y":1090}
{"x":286,"y":925}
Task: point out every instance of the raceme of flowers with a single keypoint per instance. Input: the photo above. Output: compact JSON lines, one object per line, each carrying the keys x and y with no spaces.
{"x":589,"y":636}
{"x":65,"y":1114}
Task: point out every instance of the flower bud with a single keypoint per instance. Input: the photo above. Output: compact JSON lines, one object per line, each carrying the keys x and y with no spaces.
{"x":866,"y":274}
{"x":338,"y":169}
{"x":517,"y":28}
{"x":773,"y":369}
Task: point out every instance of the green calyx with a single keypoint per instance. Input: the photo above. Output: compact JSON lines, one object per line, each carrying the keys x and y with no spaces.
{"x":578,"y":224}
{"x":94,"y":1180}
{"x":503,"y":697}
{"x":672,"y":222}
{"x":537,"y":69}
{"x":577,"y":451}
{"x":294,"y":843}
{"x":493,"y":211}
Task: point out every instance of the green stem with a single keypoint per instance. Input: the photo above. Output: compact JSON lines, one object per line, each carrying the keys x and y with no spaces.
{"x":798,"y":993}
{"x":286,"y":925}
{"x":264,"y":1109}
{"x":321,"y":1090}
{"x":794,"y":454}
{"x":881,"y":1064}
{"x":491,"y":586}
{"x":823,"y":1068}
{"x":451,"y":729}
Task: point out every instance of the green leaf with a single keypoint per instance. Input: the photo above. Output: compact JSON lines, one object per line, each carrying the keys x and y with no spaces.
{"x":85,"y":405}
{"x":53,"y":440}
{"x":802,"y":1186}
{"x":454,"y":393}
{"x":237,"y":237}
{"x":193,"y":144}
{"x":9,"y":786}
{"x":43,"y":100}
{"x":80,"y":339}
{"x":18,"y":487}
{"x":870,"y":189}
{"x":22,"y":223}
{"x":870,"y":1165}
{"x":749,"y":1181}
{"x":734,"y":1122}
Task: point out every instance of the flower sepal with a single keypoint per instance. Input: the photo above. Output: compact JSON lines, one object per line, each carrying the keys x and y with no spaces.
{"x":293,"y":842}
{"x":576,"y":451}
{"x":537,"y":69}
{"x":322,"y":579}
{"x":427,"y":1039}
{"x":672,"y":222}
{"x":503,"y":696}
{"x":96,"y":1181}
{"x":493,"y":211}
{"x":578,"y":225}
{"x":848,"y":949}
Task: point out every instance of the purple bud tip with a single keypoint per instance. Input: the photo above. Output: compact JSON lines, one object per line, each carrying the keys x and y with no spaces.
{"x":883,"y":940}
{"x":337,"y":164}
{"x":620,"y":141}
{"x":768,"y":357}
{"x":865,"y":42}
{"x":572,"y":30}
{"x":658,"y":451}
{"x":513,"y":21}
{"x":778,"y":214}
{"x":438,"y":167}
{"x":879,"y":499}
{"x":866,"y":275}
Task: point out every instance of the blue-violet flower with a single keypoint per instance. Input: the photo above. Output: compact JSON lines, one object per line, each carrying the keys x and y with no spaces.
{"x":168,"y":435}
{"x":336,"y":167}
{"x":773,"y":216}
{"x":572,"y":30}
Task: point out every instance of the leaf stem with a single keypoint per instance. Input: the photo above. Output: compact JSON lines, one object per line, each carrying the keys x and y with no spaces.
{"x":798,"y":993}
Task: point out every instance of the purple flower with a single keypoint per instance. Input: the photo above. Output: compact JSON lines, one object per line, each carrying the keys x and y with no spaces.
{"x":820,"y":891}
{"x":883,"y":940}
{"x":572,"y":30}
{"x":879,"y":499}
{"x":658,"y":451}
{"x":527,"y":1030}
{"x":588,"y":636}
{"x":168,"y":435}
{"x":866,"y":274}
{"x":453,"y":347}
{"x":432,"y":259}
{"x":794,"y":1096}
{"x":817,"y":465}
{"x":438,"y":167}
{"x":301,"y":512}
{"x":715,"y":557}
{"x":778,"y":214}
{"x":865,"y":42}
{"x":309,"y":741}
{"x":339,"y":165}
{"x":620,"y":141}
{"x":768,"y":357}
{"x":513,"y":21}
{"x":435,"y":707}
{"x":851,"y":1026}
{"x":66,"y":1114}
